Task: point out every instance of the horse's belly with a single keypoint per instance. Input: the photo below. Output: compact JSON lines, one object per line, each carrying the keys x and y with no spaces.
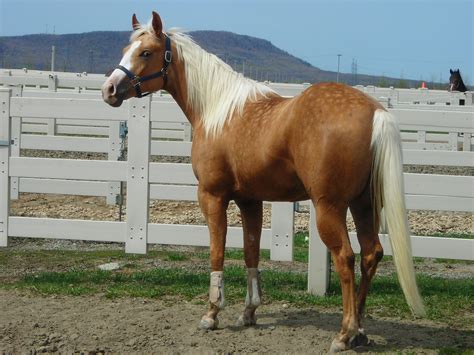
{"x":270,"y":185}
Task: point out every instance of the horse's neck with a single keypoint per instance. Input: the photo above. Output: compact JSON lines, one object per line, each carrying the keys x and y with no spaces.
{"x":178,"y":90}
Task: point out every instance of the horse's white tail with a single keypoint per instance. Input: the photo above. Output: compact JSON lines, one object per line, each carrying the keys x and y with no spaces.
{"x":388,"y":192}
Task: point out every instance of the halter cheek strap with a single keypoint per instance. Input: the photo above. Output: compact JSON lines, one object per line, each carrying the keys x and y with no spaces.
{"x":136,"y":80}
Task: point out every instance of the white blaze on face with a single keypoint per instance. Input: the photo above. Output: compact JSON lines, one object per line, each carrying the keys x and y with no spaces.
{"x":125,"y":62}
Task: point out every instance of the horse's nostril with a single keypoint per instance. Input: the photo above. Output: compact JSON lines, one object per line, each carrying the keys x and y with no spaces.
{"x":111,"y":89}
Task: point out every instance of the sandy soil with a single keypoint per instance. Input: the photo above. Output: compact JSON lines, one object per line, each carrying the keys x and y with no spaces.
{"x":97,"y":325}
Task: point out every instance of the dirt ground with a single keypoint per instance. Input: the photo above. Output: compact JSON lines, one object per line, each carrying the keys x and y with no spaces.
{"x":33,"y":324}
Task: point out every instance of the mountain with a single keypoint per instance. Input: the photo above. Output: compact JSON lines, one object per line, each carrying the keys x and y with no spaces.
{"x":97,"y":52}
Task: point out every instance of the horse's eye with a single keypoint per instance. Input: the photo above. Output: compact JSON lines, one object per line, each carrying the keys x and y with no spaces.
{"x":145,"y":54}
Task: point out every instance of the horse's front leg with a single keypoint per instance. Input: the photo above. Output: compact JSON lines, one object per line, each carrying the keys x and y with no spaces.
{"x":214,"y":208}
{"x":252,"y":225}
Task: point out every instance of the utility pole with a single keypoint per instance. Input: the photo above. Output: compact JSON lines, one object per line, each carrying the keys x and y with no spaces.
{"x":91,"y":60}
{"x":53,"y":57}
{"x":354,"y":71}
{"x":338,"y":63}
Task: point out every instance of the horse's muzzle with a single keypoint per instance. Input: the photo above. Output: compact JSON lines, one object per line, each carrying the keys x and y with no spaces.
{"x":113,"y":94}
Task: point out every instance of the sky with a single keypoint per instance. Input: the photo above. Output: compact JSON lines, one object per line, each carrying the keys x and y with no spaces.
{"x":413,"y":39}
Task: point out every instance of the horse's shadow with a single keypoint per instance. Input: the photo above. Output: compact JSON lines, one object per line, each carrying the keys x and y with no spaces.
{"x":395,"y":334}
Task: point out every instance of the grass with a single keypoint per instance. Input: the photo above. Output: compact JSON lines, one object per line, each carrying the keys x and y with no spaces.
{"x":447,"y":300}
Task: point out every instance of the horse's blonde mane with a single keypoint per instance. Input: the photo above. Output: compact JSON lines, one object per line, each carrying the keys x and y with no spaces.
{"x":215,"y":91}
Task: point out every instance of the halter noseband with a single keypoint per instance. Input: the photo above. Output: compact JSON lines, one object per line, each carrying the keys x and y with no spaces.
{"x":136,"y":80}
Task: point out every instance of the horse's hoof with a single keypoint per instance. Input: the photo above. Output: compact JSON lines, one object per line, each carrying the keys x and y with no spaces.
{"x":359,"y":340}
{"x":337,"y":346}
{"x":207,"y":323}
{"x":246,"y":321}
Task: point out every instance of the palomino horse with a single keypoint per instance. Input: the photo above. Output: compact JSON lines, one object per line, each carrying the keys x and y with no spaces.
{"x":455,"y":81}
{"x":331,"y":144}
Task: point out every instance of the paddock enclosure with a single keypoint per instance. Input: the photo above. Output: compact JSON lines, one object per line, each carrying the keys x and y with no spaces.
{"x":65,"y":112}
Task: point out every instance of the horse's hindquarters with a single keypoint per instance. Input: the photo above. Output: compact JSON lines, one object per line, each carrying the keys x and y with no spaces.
{"x":330,"y":141}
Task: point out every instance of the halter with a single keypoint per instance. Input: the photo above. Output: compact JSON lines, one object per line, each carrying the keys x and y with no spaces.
{"x":136,"y":80}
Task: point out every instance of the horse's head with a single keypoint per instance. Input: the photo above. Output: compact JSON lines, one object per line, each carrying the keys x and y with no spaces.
{"x":454,"y":80}
{"x":144,"y":65}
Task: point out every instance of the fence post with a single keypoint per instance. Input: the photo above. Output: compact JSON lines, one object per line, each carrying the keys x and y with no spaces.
{"x":52,"y":82}
{"x":138,"y":177}
{"x":51,"y":127}
{"x":5,"y":138}
{"x":318,"y":259}
{"x":469,"y":98}
{"x":283,"y":215}
{"x":466,"y":144}
{"x":188,"y":132}
{"x":453,"y":140}
{"x":113,"y":187}
{"x":52,"y":86}
{"x":15,"y":146}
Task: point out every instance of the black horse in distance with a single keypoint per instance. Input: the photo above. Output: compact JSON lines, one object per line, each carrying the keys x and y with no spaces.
{"x":455,"y":81}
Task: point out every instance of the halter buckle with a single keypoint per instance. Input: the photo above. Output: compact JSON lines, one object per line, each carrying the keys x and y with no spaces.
{"x":135,"y":81}
{"x":168,"y":56}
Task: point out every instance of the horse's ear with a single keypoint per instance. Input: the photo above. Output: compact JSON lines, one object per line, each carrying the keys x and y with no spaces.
{"x":157,"y":24}
{"x":135,"y":23}
{"x":450,"y":71}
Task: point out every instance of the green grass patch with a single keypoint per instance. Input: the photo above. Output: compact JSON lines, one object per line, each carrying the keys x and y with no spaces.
{"x":447,"y":300}
{"x":176,"y":256}
{"x":300,"y":247}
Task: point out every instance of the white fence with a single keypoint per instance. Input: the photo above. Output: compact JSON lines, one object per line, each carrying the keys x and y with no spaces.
{"x":434,"y":127}
{"x":145,"y":180}
{"x":404,"y":101}
{"x":83,"y":82}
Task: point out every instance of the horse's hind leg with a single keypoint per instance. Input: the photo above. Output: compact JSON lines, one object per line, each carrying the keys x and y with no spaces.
{"x":371,"y":251}
{"x":331,"y":223}
{"x":251,"y":212}
{"x":214,"y":209}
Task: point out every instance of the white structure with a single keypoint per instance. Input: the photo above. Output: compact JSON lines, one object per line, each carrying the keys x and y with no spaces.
{"x":437,"y":134}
